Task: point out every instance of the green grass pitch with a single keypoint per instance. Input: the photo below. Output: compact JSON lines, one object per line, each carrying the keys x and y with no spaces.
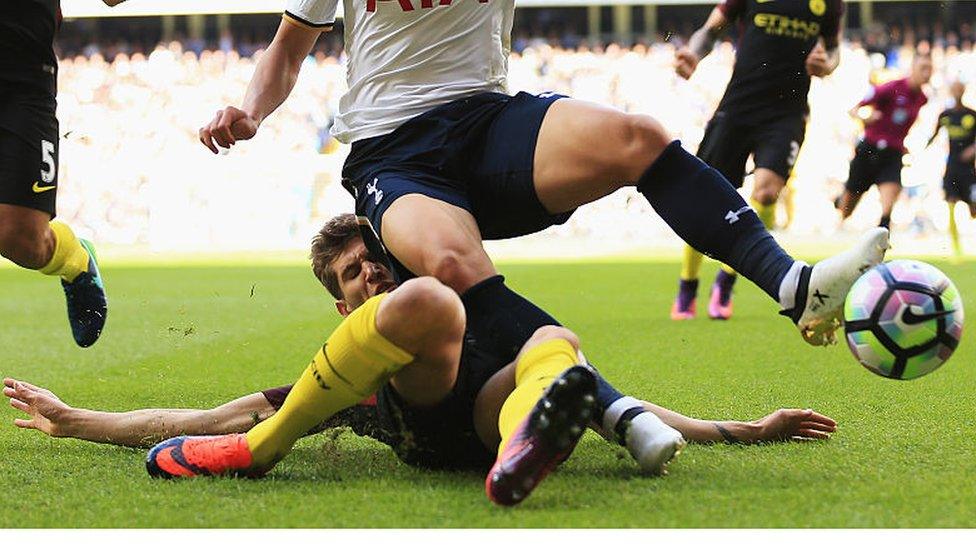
{"x":196,"y":336}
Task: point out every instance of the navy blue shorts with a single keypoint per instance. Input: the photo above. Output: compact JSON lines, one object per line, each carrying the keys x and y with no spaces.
{"x":475,"y":153}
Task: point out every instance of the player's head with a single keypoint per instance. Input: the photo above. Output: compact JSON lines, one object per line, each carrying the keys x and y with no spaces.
{"x":345,"y":267}
{"x":921,"y":69}
{"x":957,"y":89}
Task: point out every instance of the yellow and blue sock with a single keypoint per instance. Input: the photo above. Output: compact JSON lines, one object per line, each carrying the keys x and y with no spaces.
{"x":70,"y":258}
{"x":352,"y":365}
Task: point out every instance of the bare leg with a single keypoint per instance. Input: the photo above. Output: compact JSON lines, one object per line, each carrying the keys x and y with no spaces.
{"x":434,"y":238}
{"x":426,"y":318}
{"x":848,"y":201}
{"x":572,"y":169}
{"x":889,"y":191}
{"x":25,"y":236}
{"x":768,"y":186}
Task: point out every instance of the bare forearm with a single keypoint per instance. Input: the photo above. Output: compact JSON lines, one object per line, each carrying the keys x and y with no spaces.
{"x":274,"y":77}
{"x":833,"y":59}
{"x":699,"y":430}
{"x":703,"y":41}
{"x":140,"y":428}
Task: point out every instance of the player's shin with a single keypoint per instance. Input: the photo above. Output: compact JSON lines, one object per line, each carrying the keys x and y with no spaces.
{"x":707,"y":212}
{"x":353,"y":364}
{"x":535,"y":370}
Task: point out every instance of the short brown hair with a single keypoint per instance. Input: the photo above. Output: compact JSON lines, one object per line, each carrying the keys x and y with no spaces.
{"x":334,"y":236}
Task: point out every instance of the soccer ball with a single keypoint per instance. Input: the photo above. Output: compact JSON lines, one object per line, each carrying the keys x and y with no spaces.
{"x":903,"y":319}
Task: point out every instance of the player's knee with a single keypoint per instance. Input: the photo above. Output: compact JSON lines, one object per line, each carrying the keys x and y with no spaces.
{"x":766,"y":196}
{"x":457,"y":270}
{"x":548,"y":333}
{"x":644,"y":138}
{"x":425,"y":300}
{"x":24,"y":246}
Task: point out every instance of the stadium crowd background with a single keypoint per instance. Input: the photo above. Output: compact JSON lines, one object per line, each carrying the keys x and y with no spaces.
{"x":134,"y":174}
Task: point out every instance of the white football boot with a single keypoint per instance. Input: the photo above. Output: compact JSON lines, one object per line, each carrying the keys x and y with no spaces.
{"x":822,"y":289}
{"x":651,"y":442}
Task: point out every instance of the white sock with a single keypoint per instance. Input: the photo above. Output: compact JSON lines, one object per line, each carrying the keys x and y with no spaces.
{"x":616,"y":410}
{"x":787,"y":288}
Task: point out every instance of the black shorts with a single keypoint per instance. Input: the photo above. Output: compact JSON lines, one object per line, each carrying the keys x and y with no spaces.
{"x":475,"y":153}
{"x":872,"y":165}
{"x":960,"y":182}
{"x":28,"y":149}
{"x":774,"y":145}
{"x":442,"y":436}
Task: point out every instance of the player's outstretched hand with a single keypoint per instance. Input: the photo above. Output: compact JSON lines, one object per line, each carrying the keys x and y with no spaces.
{"x":227,"y":127}
{"x":685,"y":62}
{"x":791,"y":423}
{"x":47,"y":412}
{"x":817,"y":62}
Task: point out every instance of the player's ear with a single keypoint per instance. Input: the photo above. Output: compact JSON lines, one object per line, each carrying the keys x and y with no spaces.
{"x":342,"y":307}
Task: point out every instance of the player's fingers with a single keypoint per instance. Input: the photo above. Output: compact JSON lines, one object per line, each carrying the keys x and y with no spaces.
{"x":20,"y":405}
{"x":226,"y":124}
{"x":25,"y":423}
{"x":9,"y":392}
{"x":206,"y":140}
{"x":817,"y":426}
{"x":9,"y":381}
{"x":30,"y":386}
{"x":810,"y":433}
{"x":820,"y":418}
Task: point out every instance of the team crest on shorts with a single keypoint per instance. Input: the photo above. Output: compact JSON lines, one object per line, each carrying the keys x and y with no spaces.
{"x":818,"y":7}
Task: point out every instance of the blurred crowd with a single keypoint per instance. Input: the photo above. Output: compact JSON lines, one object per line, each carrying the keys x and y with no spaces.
{"x":134,"y":173}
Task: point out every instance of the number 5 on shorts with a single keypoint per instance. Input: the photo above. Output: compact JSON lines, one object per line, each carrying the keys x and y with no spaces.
{"x":50,"y":167}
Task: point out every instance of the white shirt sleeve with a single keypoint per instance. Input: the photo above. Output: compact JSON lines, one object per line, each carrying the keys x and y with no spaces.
{"x":317,"y":14}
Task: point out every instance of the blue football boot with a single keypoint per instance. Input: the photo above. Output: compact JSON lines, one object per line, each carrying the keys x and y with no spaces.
{"x":87,"y":303}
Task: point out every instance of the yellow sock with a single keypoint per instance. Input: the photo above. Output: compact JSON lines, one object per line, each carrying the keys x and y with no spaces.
{"x":954,"y":230}
{"x":352,"y":365}
{"x":691,"y":263}
{"x":766,"y":213}
{"x":728,"y":269}
{"x":789,"y":203}
{"x":535,"y":371}
{"x":70,"y":258}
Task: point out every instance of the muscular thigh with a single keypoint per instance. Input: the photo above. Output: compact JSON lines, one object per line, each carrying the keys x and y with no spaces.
{"x":427,"y":235}
{"x":585,"y":151}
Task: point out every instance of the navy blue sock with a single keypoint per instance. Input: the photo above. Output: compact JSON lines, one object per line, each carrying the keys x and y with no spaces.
{"x":707,"y":213}
{"x":502,"y":321}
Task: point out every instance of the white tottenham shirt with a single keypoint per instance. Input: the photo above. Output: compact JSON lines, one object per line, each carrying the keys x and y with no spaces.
{"x":406,"y":57}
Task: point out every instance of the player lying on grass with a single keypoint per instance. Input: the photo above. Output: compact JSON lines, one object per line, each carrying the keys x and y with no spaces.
{"x":436,"y":440}
{"x":49,"y":414}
